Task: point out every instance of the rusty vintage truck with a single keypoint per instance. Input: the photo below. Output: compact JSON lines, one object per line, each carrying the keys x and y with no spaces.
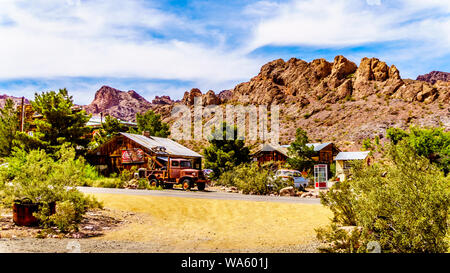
{"x":168,"y":171}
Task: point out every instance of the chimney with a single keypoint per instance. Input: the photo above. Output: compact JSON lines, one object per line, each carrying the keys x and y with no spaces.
{"x":146,"y":133}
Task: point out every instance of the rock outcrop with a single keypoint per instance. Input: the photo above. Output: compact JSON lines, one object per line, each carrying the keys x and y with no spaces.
{"x":300,"y":81}
{"x":162,"y":100}
{"x":210,"y":98}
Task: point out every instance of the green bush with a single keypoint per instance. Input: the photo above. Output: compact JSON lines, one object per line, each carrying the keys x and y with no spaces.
{"x":126,"y":175}
{"x":250,"y":178}
{"x":401,"y":202}
{"x":45,"y":179}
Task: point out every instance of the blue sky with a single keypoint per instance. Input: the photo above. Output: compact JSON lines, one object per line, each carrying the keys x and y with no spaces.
{"x":168,"y":47}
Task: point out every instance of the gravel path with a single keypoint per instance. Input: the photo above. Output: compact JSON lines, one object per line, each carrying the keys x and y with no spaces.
{"x":50,"y":245}
{"x":203,"y":195}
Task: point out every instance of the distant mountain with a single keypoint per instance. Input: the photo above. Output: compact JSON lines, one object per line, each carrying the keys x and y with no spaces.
{"x":434,"y":76}
{"x":117,"y":103}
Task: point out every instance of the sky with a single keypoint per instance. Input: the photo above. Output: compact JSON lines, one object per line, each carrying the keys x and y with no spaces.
{"x":169,"y":47}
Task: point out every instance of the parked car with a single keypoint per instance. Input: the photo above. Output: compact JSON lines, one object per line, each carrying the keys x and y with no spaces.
{"x":207,"y":172}
{"x":294,"y":175}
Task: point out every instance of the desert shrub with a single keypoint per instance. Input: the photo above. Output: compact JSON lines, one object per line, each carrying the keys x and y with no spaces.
{"x":227,"y":179}
{"x":143,"y":183}
{"x":44,"y":179}
{"x":249,"y":177}
{"x":401,"y":202}
{"x":127,"y":175}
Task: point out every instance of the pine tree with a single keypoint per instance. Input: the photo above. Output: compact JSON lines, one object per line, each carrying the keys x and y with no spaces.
{"x":152,"y":123}
{"x":223,"y":154}
{"x":300,"y":154}
{"x":60,"y":124}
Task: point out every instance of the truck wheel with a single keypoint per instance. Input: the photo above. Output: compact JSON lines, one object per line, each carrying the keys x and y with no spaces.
{"x":201,"y":186}
{"x":186,"y":184}
{"x":154,"y":182}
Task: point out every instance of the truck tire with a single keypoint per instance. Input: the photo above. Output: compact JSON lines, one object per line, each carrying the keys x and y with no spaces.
{"x":201,"y":186}
{"x":186,"y":184}
{"x":154,"y":182}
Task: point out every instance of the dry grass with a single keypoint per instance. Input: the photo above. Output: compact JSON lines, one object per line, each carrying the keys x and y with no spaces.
{"x":215,"y":225}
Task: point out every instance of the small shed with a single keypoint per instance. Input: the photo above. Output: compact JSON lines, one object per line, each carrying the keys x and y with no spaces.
{"x":127,"y":150}
{"x":343,"y":160}
{"x":270,"y":152}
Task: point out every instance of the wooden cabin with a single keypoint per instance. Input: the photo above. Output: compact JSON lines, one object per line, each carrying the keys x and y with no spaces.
{"x":127,"y":150}
{"x":271,"y":152}
{"x":325,"y":152}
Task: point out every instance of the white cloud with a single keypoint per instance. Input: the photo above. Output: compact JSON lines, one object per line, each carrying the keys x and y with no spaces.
{"x":373,"y":2}
{"x":337,"y":23}
{"x":107,"y":39}
{"x":66,"y":40}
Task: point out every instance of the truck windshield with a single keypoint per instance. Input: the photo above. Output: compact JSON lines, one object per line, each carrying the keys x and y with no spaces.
{"x":186,"y":164}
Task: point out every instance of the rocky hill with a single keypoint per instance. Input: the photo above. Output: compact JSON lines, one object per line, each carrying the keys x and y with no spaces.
{"x":16,"y":100}
{"x":117,"y":103}
{"x":343,"y":102}
{"x":337,"y":101}
{"x":434,"y":76}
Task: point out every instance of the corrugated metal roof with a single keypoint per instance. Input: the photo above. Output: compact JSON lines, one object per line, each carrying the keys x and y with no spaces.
{"x":352,"y":155}
{"x":271,"y":147}
{"x":318,"y":146}
{"x":172,"y":147}
{"x":97,"y":121}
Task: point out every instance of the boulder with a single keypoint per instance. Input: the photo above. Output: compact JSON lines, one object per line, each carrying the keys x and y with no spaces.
{"x":288,"y":191}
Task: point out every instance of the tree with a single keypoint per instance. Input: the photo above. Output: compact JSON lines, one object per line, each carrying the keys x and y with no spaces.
{"x":152,"y":123}
{"x":300,"y":154}
{"x":223,"y":154}
{"x":9,"y":125}
{"x":402,"y":202}
{"x":432,"y":143}
{"x":60,"y":124}
{"x":110,"y":127}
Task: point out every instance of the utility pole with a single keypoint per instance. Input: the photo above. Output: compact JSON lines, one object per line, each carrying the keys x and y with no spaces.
{"x":22,"y":118}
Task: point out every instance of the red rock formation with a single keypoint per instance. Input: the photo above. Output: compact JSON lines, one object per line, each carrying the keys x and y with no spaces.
{"x":119,"y":104}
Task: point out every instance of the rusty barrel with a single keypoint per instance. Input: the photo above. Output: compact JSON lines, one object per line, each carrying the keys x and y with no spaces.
{"x":23,"y":213}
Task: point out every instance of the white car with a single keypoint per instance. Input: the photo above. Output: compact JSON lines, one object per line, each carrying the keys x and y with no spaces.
{"x":299,"y":180}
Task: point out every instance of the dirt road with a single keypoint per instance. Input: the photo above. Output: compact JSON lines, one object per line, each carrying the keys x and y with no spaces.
{"x":202,"y":195}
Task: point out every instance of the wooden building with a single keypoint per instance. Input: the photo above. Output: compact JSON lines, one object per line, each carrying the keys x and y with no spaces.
{"x":271,"y":152}
{"x":127,"y":150}
{"x":325,"y":152}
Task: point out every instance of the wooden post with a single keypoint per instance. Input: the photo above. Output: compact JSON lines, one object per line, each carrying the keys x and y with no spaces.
{"x":22,"y":118}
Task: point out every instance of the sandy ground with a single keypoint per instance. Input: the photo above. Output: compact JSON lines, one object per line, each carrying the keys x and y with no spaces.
{"x":171,"y":224}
